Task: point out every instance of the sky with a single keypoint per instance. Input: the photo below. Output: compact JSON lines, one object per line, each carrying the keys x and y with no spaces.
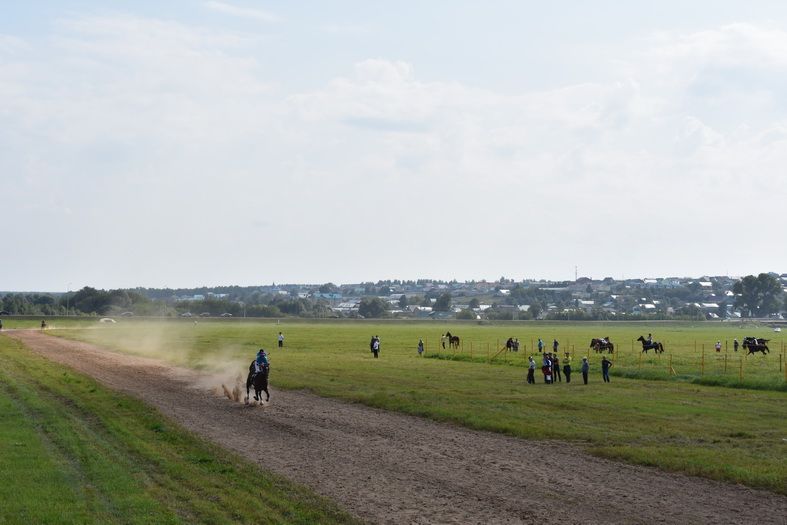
{"x":210,"y":142}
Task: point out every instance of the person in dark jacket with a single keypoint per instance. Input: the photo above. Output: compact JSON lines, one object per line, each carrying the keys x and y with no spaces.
{"x":556,"y":369}
{"x":585,"y":369}
{"x":531,"y":371}
{"x":606,"y":364}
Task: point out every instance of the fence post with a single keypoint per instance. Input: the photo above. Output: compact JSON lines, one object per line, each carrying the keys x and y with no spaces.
{"x":640,"y":361}
{"x":725,"y":363}
{"x":740,"y":372}
{"x":670,"y":371}
{"x":487,"y":350}
{"x":702,"y":362}
{"x":426,"y":345}
{"x":471,"y":349}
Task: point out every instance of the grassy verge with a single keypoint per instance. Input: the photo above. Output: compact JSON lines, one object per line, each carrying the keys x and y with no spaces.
{"x":72,"y":451}
{"x":737,"y":435}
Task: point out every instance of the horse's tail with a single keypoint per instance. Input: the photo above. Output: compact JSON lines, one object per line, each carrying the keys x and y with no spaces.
{"x":661,"y":347}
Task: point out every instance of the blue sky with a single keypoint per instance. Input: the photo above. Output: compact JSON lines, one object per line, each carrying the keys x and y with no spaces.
{"x":226,"y":142}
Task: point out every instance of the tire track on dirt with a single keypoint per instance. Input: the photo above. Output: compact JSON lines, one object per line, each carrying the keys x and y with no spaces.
{"x":392,"y":468}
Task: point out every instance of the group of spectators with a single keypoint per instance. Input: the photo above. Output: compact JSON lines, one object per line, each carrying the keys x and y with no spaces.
{"x":550,"y":367}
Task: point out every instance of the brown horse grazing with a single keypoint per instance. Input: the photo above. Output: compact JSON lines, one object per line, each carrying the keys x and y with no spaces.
{"x":655,"y":345}
{"x":599,"y":345}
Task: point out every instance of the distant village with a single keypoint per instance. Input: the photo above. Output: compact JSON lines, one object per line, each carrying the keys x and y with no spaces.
{"x":707,"y":297}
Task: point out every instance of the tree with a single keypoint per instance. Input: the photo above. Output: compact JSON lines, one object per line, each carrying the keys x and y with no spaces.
{"x":443,"y":303}
{"x":466,"y":314}
{"x":329,"y":288}
{"x":403,"y":302}
{"x":474,"y":303}
{"x":759,"y":295}
{"x":371,"y":307}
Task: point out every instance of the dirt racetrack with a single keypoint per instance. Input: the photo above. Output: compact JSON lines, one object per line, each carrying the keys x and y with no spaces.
{"x":391,"y":468}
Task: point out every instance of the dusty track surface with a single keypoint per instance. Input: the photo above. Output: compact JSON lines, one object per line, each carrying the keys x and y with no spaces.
{"x":391,"y":468}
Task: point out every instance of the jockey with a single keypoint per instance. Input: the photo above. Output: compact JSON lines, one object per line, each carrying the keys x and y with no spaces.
{"x":261,"y":361}
{"x":649,"y":340}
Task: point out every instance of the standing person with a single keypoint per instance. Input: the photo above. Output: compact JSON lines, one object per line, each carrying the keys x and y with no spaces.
{"x":43,"y":324}
{"x":281,"y":340}
{"x":585,"y":369}
{"x":516,"y":345}
{"x":555,"y":346}
{"x":606,"y":364}
{"x":510,"y":344}
{"x":540,"y":346}
{"x":735,"y":344}
{"x":718,"y":346}
{"x":371,"y":344}
{"x":567,"y":367}
{"x":420,"y":347}
{"x":375,"y":346}
{"x":531,"y":372}
{"x":1,"y":325}
{"x":546,"y":368}
{"x":556,"y":368}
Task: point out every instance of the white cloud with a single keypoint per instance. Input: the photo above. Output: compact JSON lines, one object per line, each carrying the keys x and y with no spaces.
{"x":175,"y":141}
{"x":242,"y":12}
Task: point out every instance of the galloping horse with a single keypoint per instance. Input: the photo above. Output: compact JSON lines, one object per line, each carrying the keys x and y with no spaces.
{"x":599,"y":345}
{"x":754,"y":345}
{"x":453,"y":340}
{"x":259,"y":381}
{"x":655,"y":345}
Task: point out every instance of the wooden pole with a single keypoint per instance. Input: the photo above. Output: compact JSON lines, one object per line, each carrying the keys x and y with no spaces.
{"x":471,"y":349}
{"x":702,"y":362}
{"x":725,"y":363}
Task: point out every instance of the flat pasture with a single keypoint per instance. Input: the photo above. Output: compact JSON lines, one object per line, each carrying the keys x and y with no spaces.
{"x":734,"y":434}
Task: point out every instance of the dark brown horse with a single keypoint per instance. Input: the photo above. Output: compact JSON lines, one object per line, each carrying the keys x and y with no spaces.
{"x":453,"y":340}
{"x":259,"y":381}
{"x":599,"y":345}
{"x":754,"y":345}
{"x":655,"y":345}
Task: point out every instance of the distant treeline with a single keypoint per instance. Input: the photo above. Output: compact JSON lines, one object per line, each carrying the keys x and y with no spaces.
{"x":751,"y":296}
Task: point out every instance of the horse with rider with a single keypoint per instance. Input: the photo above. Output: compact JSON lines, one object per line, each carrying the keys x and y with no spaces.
{"x":259,"y":370}
{"x":601,"y":344}
{"x":755,"y":344}
{"x":650,"y":344}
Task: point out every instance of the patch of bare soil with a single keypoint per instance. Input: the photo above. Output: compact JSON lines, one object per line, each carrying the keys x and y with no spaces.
{"x":392,"y":468}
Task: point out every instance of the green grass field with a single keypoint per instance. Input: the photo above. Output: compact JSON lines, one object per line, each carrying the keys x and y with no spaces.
{"x":734,"y":434}
{"x":72,"y":451}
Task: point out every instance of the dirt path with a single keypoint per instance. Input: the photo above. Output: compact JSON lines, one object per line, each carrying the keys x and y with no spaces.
{"x":391,"y":468}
